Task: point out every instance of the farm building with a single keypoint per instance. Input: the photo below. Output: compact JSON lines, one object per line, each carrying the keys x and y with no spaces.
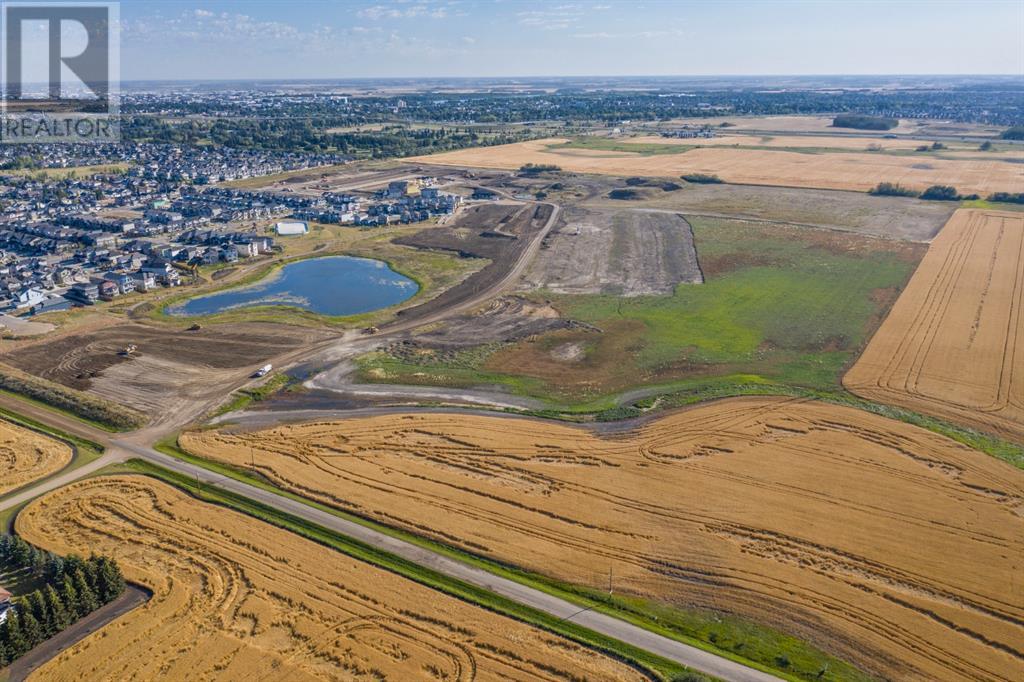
{"x":5,"y":604}
{"x":291,"y":227}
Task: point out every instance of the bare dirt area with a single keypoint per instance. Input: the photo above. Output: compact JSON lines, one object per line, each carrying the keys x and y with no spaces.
{"x":624,"y":252}
{"x":27,"y":456}
{"x":500,"y":232}
{"x":509,"y":318}
{"x":841,"y":170}
{"x":234,"y":598}
{"x":889,"y":217}
{"x":887,"y":545}
{"x":952,"y":344}
{"x":18,"y":327}
{"x":168,"y":365}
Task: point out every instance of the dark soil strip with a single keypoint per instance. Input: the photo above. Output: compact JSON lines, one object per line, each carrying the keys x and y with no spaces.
{"x":82,"y":628}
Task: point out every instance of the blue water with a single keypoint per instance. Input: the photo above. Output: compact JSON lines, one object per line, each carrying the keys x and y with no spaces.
{"x":333,"y":285}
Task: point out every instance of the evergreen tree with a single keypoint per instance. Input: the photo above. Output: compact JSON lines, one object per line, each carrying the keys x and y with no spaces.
{"x":31,"y":628}
{"x":54,"y":568}
{"x":69,"y":595}
{"x":13,"y":636}
{"x":72,"y":562}
{"x":110,"y":582}
{"x":35,"y":604}
{"x":91,"y":570}
{"x":57,"y":609}
{"x":37,"y":561}
{"x":87,"y":598}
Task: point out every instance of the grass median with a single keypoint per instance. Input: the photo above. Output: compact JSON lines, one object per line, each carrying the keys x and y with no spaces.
{"x":85,"y":451}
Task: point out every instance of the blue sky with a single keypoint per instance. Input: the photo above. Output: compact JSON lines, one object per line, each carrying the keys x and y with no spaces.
{"x":171,"y":39}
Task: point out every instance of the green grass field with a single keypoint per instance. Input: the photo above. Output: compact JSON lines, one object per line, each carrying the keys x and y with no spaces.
{"x":780,"y":305}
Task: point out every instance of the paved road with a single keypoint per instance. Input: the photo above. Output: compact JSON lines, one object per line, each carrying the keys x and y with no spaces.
{"x":59,"y":481}
{"x":64,"y":422}
{"x":692,"y":657}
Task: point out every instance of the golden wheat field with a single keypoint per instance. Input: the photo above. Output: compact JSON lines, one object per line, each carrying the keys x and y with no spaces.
{"x":953,"y":344}
{"x":237,"y":599}
{"x":827,"y":170}
{"x":26,"y":456}
{"x":886,"y":544}
{"x":790,"y":124}
{"x":770,"y":140}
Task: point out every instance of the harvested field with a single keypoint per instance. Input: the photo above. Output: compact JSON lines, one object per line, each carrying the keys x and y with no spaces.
{"x":843,"y":170}
{"x":26,"y":456}
{"x":822,"y":142}
{"x":885,"y":544}
{"x":952,"y":345}
{"x":498,"y":232}
{"x":170,"y":364}
{"x":889,"y":217}
{"x":627,"y":253}
{"x":235,"y":598}
{"x":823,"y":125}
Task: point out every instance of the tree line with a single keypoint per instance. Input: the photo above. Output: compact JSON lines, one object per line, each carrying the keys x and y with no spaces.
{"x":937,"y":193}
{"x":862,"y":122}
{"x":72,"y":588}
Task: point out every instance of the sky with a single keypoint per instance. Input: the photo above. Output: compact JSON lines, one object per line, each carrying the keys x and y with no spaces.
{"x":245,"y":39}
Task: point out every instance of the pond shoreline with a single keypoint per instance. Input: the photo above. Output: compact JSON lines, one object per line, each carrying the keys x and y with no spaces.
{"x":333,"y":286}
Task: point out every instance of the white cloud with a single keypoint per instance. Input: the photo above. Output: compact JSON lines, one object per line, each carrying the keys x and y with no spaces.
{"x":420,"y":9}
{"x":557,"y":18}
{"x":604,"y":35}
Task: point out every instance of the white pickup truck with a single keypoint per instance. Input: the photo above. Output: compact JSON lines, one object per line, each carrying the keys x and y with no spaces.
{"x":263,"y":371}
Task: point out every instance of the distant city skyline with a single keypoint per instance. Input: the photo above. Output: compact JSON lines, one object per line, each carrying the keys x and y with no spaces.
{"x":239,"y":39}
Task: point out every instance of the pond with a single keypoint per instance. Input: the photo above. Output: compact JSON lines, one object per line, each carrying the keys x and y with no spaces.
{"x":332,"y":285}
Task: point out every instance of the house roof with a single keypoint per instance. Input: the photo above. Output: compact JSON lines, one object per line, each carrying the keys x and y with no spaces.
{"x":4,"y":595}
